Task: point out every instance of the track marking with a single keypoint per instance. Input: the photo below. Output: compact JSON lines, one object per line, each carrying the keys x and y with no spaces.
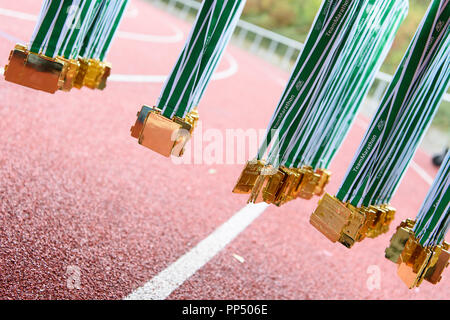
{"x":233,"y":69}
{"x":168,"y":280}
{"x":177,"y":37}
{"x":17,"y":14}
{"x":421,"y":172}
{"x":10,"y":37}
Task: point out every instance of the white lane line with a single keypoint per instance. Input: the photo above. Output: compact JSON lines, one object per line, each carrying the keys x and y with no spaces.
{"x":10,"y":37}
{"x":168,"y":280}
{"x":233,"y":69}
{"x":177,"y":37}
{"x":418,"y":169}
{"x":421,"y":172}
{"x":230,"y":71}
{"x":17,"y":14}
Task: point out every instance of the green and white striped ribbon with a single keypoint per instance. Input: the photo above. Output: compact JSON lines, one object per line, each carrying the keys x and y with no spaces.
{"x":210,"y":35}
{"x":103,"y":28}
{"x":73,"y":28}
{"x":432,"y":222}
{"x":58,"y":31}
{"x":344,"y":50}
{"x":330,"y":26}
{"x":404,"y":114}
{"x":338,"y":98}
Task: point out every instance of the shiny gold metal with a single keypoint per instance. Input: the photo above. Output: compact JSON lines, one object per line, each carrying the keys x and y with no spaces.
{"x":413,"y":262}
{"x":260,"y":184}
{"x":82,"y":71}
{"x":188,"y":125}
{"x":323,"y":181}
{"x":159,"y":134}
{"x":265,"y":183}
{"x":351,"y":232}
{"x":384,"y":216}
{"x":273,"y":186}
{"x":365,"y":217}
{"x":34,"y":70}
{"x":192,"y":118}
{"x":347,"y":224}
{"x":330,"y":218}
{"x":309,"y":183}
{"x":107,"y":66}
{"x":69,"y":73}
{"x":289,"y":187}
{"x":248,"y":177}
{"x":94,"y":74}
{"x":141,"y":116}
{"x":163,"y":135}
{"x":296,"y":187}
{"x":398,"y":240}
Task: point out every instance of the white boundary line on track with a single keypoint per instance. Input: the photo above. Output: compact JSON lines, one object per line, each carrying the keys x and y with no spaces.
{"x":233,"y":69}
{"x":168,"y":280}
{"x":177,"y":37}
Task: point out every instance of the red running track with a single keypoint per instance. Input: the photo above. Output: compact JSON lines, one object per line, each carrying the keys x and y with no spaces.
{"x":77,"y":190}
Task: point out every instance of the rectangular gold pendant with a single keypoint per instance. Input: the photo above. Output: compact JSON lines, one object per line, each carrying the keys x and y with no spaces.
{"x":352,"y":230}
{"x":162,"y":135}
{"x":398,"y":241}
{"x":105,"y":75}
{"x":384,"y":216}
{"x":309,"y":182}
{"x":83,"y":69}
{"x":438,"y":264}
{"x":69,"y":73}
{"x":323,"y":181}
{"x":273,"y":186}
{"x":413,"y":262}
{"x":289,"y":186}
{"x":262,"y":181}
{"x":248,"y":177}
{"x":34,"y":70}
{"x":94,"y":74}
{"x":330,"y":217}
{"x":296,"y":188}
{"x":141,"y":116}
{"x":158,"y":134}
